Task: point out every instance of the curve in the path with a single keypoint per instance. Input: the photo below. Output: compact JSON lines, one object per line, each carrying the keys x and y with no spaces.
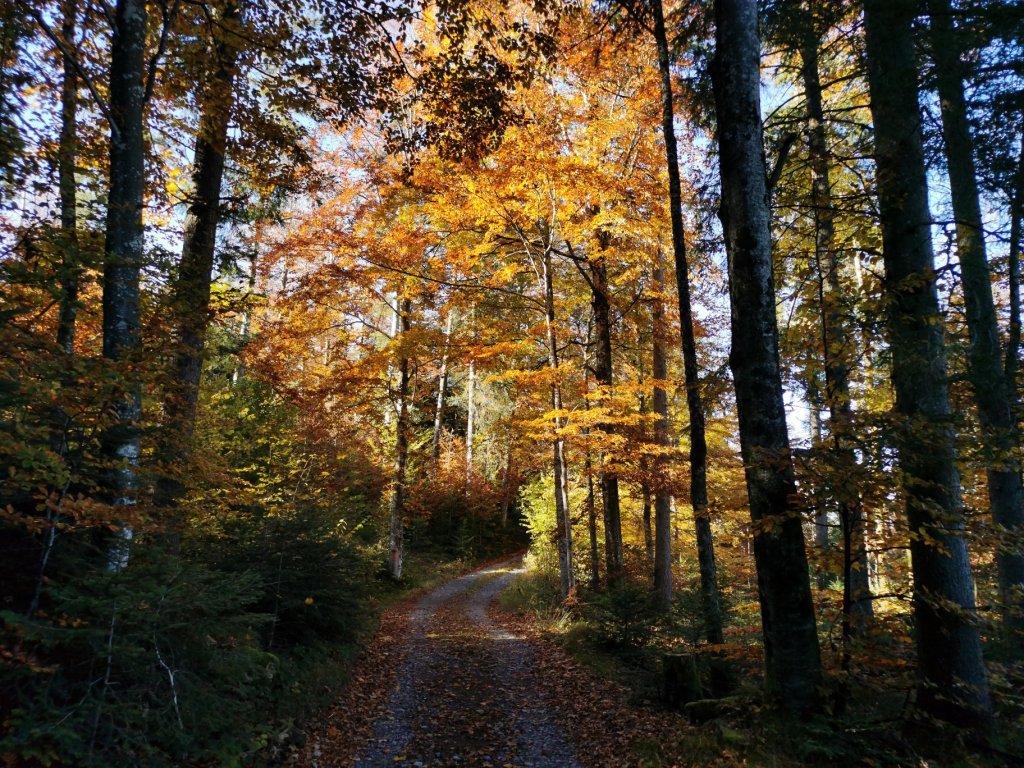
{"x":467,"y":693}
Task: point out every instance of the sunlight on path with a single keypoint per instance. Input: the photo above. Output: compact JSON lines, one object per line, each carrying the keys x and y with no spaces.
{"x":467,"y":694}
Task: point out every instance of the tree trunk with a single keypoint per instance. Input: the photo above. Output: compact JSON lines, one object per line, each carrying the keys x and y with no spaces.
{"x":124,"y":250}
{"x":506,"y":482}
{"x":70,"y":269}
{"x":953,"y":685}
{"x":396,"y":324}
{"x":984,"y":359}
{"x":396,"y":533}
{"x":588,"y":470}
{"x":821,"y":529}
{"x":442,"y":388}
{"x":645,"y":495}
{"x":563,"y":532}
{"x":190,"y":303}
{"x":595,"y":560}
{"x":470,"y":417}
{"x":792,"y":661}
{"x":603,"y":375}
{"x":1012,"y":361}
{"x":857,"y":607}
{"x":67,"y":157}
{"x":246,"y":328}
{"x":659,"y":404}
{"x":710,"y":600}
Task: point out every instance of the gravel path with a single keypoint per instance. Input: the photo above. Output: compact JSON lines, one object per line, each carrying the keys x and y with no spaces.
{"x":467,"y":693}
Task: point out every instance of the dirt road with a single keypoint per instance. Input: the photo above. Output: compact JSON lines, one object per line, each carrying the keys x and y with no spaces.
{"x":466,"y":693}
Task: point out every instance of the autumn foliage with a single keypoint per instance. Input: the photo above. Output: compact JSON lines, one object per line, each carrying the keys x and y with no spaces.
{"x":407,"y":285}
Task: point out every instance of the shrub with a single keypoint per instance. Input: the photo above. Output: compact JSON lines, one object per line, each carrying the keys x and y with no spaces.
{"x":157,"y":665}
{"x":624,"y":616}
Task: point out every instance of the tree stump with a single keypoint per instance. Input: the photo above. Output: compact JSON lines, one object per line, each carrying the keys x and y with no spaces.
{"x":681,"y":678}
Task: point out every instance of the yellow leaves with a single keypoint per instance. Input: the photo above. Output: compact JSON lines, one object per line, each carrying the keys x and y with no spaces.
{"x":171,"y":186}
{"x":505,"y":274}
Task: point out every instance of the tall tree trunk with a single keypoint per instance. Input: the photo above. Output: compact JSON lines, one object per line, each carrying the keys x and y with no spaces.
{"x":506,"y":481}
{"x":124,"y":250}
{"x":396,"y":324}
{"x":792,"y":660}
{"x":1012,"y":361}
{"x":710,"y":600}
{"x":984,"y":359}
{"x":603,"y":374}
{"x":953,"y":685}
{"x":470,"y":417}
{"x":821,"y":529}
{"x":857,"y":607}
{"x":645,"y":517}
{"x":588,"y":471}
{"x":396,"y":531}
{"x":563,"y":533}
{"x":246,"y":328}
{"x":442,"y":389}
{"x":190,"y":303}
{"x":595,"y":559}
{"x":659,"y":404}
{"x":67,"y":157}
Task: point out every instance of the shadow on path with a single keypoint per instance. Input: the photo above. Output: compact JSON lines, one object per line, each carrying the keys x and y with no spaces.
{"x":467,"y":693}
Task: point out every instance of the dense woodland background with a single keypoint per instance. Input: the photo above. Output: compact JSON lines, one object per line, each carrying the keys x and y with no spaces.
{"x":305,"y":303}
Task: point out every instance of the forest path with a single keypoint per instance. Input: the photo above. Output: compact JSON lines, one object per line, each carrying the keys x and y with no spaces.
{"x":466,"y":691}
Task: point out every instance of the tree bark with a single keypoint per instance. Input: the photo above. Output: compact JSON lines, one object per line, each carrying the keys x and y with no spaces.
{"x":792,"y":661}
{"x":857,"y":607}
{"x":190,"y":303}
{"x":470,"y":417}
{"x":442,"y":388}
{"x":396,"y":532}
{"x":1012,"y":361}
{"x":952,"y":672}
{"x":645,"y":496}
{"x":985,"y":354}
{"x":588,"y":471}
{"x":396,"y":324}
{"x":563,"y":532}
{"x":710,"y":599}
{"x":821,"y":527}
{"x":603,"y":374}
{"x":67,"y":157}
{"x":595,"y":559}
{"x":659,"y":404}
{"x":124,"y":250}
{"x":70,"y":269}
{"x":506,"y":482}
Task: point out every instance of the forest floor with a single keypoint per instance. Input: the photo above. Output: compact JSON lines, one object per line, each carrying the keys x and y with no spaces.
{"x":451,"y":680}
{"x":444,"y":684}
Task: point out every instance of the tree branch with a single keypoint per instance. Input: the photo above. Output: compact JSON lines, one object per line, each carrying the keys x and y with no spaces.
{"x":66,"y":50}
{"x":168,"y":17}
{"x":785,"y":146}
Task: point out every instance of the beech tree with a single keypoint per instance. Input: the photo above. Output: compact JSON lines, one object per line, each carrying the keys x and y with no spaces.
{"x":124,"y":253}
{"x":991,"y":395}
{"x":792,"y":662}
{"x":66,"y":158}
{"x":952,"y":670}
{"x":191,"y":292}
{"x":710,"y":599}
